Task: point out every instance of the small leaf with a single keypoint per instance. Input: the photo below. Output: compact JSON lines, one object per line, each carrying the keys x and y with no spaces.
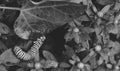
{"x":50,"y":63}
{"x":89,"y":56}
{"x":76,"y":1}
{"x":105,"y":2}
{"x":20,"y":69}
{"x":115,"y":47}
{"x":64,"y":65}
{"x":117,"y":6}
{"x":2,"y":46}
{"x":77,"y":38}
{"x":93,"y":62}
{"x":68,"y":36}
{"x":48,"y":55}
{"x":69,"y":51}
{"x":88,"y":67}
{"x":2,"y":68}
{"x":100,"y":61}
{"x":84,"y":37}
{"x":4,"y":29}
{"x":74,"y":68}
{"x":112,"y":59}
{"x":87,"y":30}
{"x":83,"y":18}
{"x":85,"y":44}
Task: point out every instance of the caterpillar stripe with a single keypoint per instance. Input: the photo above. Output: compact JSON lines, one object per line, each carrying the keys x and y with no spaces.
{"x":32,"y":52}
{"x":35,"y":48}
{"x":21,"y":54}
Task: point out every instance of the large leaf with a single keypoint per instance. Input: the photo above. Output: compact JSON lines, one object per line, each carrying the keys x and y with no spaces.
{"x":8,"y":56}
{"x":48,"y":15}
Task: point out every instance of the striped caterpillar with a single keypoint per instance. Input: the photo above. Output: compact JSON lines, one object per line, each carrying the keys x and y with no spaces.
{"x":37,"y":44}
{"x":32,"y":52}
{"x":21,"y":54}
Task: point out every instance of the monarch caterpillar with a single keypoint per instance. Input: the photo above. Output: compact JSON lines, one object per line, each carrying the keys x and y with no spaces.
{"x":32,"y":52}
{"x":37,"y":44}
{"x":21,"y":54}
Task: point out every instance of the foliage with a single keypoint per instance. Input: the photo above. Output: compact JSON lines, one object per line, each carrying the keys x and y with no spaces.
{"x":47,"y":16}
{"x":89,"y":23}
{"x":2,"y":68}
{"x":8,"y":56}
{"x":4,"y":29}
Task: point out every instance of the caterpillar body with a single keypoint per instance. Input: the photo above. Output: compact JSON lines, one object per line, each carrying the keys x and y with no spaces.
{"x":35,"y":48}
{"x":32,"y":52}
{"x":21,"y":54}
